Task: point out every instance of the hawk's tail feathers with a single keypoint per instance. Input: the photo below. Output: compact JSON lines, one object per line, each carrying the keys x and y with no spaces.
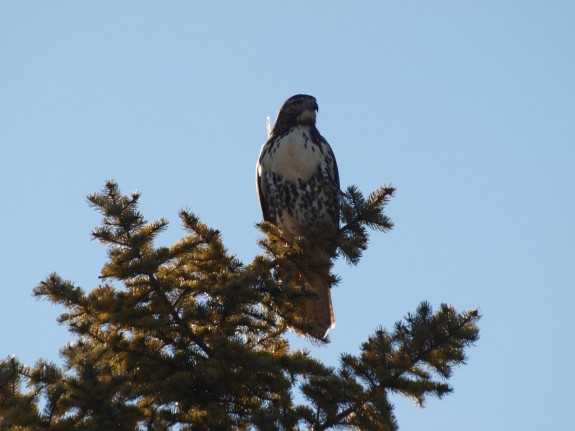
{"x":319,"y":309}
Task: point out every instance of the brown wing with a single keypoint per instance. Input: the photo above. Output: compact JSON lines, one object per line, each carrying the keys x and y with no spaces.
{"x":261,"y":188}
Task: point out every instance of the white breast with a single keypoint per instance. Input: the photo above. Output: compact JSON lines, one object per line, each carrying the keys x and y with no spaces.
{"x":293,"y":156}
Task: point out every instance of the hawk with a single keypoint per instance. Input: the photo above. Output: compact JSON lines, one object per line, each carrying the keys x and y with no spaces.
{"x":298,"y":186}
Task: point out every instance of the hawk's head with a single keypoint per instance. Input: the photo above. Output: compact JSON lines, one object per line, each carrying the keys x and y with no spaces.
{"x":298,"y":110}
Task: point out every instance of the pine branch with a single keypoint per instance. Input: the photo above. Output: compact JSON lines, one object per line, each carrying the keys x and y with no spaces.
{"x":405,"y":361}
{"x":358,"y":214}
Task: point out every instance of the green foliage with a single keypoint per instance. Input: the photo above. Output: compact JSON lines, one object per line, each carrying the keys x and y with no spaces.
{"x":195,"y":340}
{"x":358,"y":214}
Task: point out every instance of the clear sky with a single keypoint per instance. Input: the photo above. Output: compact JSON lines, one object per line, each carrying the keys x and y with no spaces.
{"x":467,"y":107}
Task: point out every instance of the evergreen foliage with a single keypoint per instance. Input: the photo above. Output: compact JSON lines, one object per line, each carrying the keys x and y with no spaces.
{"x":195,"y":340}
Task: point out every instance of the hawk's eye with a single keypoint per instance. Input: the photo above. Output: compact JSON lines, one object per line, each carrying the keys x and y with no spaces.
{"x":297,"y":103}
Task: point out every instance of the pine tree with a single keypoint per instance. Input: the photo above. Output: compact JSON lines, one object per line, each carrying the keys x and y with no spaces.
{"x":187,"y":337}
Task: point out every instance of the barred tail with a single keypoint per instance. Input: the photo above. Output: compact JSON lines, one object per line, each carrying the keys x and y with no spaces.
{"x":319,"y":309}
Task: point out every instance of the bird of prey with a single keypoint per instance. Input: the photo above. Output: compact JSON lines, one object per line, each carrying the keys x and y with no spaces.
{"x":298,"y":186}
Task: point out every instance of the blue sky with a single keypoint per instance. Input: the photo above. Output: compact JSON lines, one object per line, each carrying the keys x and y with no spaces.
{"x":466,"y":107}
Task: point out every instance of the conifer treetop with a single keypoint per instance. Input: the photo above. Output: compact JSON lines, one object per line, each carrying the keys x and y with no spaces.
{"x":187,"y":337}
